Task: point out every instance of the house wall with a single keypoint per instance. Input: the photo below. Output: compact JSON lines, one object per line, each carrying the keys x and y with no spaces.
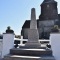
{"x":45,"y":26}
{"x":25,"y":33}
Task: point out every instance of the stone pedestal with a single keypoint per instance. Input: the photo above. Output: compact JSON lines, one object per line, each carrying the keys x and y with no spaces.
{"x":33,"y":38}
{"x":31,"y":52}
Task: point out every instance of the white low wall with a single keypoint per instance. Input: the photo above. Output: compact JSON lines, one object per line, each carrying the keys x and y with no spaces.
{"x":21,"y":41}
{"x":1,"y":47}
{"x":55,"y":44}
{"x":8,"y":43}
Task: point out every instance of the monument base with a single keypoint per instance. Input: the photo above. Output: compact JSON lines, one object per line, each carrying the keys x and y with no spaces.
{"x":32,"y":45}
{"x":17,"y":57}
{"x":31,"y":52}
{"x":33,"y":39}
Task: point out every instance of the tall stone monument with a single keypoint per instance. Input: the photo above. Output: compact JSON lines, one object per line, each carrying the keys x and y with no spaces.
{"x":32,"y":49}
{"x":33,"y":35}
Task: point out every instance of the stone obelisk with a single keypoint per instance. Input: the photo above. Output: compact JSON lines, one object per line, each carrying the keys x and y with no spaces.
{"x":33,"y":35}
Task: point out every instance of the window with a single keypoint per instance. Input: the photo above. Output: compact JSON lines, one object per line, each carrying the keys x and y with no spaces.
{"x":47,"y":6}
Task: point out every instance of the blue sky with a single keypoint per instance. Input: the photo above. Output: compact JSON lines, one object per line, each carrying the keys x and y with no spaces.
{"x":14,"y":13}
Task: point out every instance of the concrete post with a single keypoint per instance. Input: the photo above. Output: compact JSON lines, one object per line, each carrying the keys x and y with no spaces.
{"x":8,"y":43}
{"x":55,"y":45}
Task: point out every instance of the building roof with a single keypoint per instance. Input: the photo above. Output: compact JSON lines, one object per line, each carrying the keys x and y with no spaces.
{"x":48,"y":1}
{"x":27,"y":24}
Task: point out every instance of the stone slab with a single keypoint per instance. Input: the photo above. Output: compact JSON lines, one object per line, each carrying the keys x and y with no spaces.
{"x":31,"y":52}
{"x":19,"y":57}
{"x":25,"y":47}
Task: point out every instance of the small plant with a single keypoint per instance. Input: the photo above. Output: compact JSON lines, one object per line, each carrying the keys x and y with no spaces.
{"x":55,"y":28}
{"x":8,"y":28}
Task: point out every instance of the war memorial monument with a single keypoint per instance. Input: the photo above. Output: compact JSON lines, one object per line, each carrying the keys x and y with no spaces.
{"x":33,"y":30}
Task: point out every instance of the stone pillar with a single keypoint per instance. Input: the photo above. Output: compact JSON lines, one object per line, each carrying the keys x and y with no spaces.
{"x":55,"y":45}
{"x":33,"y":22}
{"x":21,"y":40}
{"x":33,"y":35}
{"x":8,"y":42}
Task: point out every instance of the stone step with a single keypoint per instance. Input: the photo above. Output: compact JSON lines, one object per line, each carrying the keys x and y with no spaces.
{"x":18,"y":57}
{"x":25,"y":47}
{"x":31,"y":52}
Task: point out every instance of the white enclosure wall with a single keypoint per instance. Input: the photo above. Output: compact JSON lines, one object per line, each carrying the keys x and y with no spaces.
{"x":8,"y":43}
{"x":55,"y":44}
{"x":1,"y":47}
